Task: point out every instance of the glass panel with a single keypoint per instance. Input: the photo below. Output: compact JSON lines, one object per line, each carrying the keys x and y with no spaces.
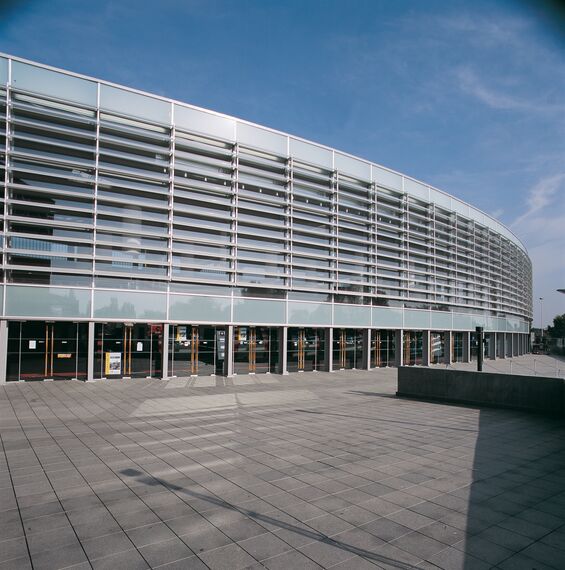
{"x":261,"y":138}
{"x":309,"y":313}
{"x":53,"y":83}
{"x":345,"y":315}
{"x":353,"y":166}
{"x":441,"y":320}
{"x":195,"y":308}
{"x":3,"y":71}
{"x":257,"y":311}
{"x":311,"y":153}
{"x":416,"y":189}
{"x":386,"y":317}
{"x":204,"y":122}
{"x":134,"y":104}
{"x":47,"y":302}
{"x":387,"y":178}
{"x":129,"y":305}
{"x":416,"y":319}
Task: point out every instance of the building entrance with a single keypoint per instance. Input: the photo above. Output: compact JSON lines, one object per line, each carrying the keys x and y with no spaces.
{"x":413,"y":348}
{"x":347,"y":349}
{"x":128,"y":350}
{"x":383,"y":348}
{"x":39,"y":350}
{"x":196,"y":350}
{"x":305,"y":349}
{"x":255,"y":350}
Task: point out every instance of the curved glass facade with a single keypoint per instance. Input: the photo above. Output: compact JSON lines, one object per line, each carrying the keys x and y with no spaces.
{"x":122,"y":207}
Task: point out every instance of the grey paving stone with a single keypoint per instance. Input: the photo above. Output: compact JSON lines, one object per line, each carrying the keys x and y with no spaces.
{"x":230,"y":557}
{"x":293,"y":559}
{"x":61,"y":557}
{"x":129,"y":560}
{"x":107,"y":545}
{"x":264,"y":546}
{"x":165,"y":552}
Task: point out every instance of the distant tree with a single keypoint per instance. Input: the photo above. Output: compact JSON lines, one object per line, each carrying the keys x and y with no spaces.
{"x":558,"y":328}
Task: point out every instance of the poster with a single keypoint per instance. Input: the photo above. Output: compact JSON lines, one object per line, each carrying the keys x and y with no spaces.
{"x":32,"y":344}
{"x":139,"y":347}
{"x":113,"y":364}
{"x":181,"y":334}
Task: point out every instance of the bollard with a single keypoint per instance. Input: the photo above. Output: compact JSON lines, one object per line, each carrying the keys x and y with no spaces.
{"x":511,"y":367}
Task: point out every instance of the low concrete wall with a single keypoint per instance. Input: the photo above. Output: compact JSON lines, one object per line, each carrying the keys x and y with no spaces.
{"x":534,"y":393}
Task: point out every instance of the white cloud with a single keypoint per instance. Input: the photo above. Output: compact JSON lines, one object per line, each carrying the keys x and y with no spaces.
{"x":540,"y":196}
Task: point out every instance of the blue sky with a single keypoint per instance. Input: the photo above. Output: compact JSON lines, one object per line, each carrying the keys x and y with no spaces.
{"x":467,"y":96}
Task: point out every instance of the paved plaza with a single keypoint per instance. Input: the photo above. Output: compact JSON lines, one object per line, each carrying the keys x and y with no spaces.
{"x":296,"y":472}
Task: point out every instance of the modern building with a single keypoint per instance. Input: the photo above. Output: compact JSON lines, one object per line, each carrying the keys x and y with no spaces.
{"x":146,"y":237}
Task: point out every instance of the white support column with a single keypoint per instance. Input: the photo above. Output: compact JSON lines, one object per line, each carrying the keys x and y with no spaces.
{"x":399,"y":338}
{"x":3,"y":350}
{"x":466,"y":346}
{"x":447,"y":348}
{"x":228,"y":357}
{"x":90,"y":354}
{"x":165,"y":352}
{"x":328,"y":352}
{"x":366,"y":364}
{"x":283,"y":342}
{"x":426,"y":348}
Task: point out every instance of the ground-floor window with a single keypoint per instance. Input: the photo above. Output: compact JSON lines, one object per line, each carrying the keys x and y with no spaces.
{"x":39,"y":350}
{"x":128,"y":350}
{"x":305,"y":349}
{"x":383,"y":348}
{"x":437,"y":347}
{"x":196,"y":350}
{"x":255,"y":350}
{"x":347,"y":349}
{"x":413,"y":347}
{"x":457,"y":347}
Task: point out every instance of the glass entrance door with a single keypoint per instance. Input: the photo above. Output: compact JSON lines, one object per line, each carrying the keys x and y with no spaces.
{"x":39,"y":350}
{"x":128,"y":350}
{"x":413,"y":348}
{"x":196,"y":350}
{"x":383,"y":348}
{"x":347,"y":348}
{"x":305,"y":349}
{"x":255,"y":350}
